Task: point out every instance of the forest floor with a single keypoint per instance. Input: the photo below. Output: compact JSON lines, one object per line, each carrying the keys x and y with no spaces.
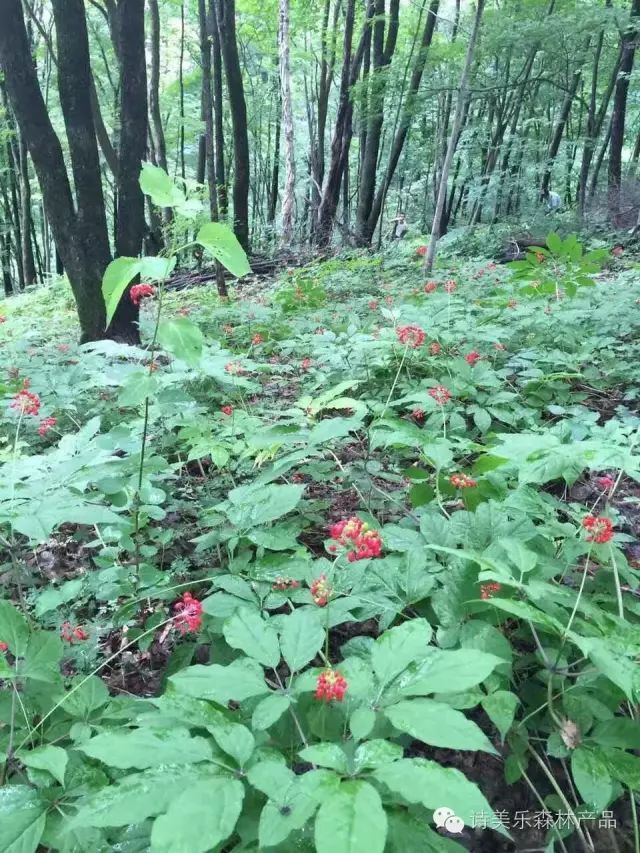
{"x":475,"y":418}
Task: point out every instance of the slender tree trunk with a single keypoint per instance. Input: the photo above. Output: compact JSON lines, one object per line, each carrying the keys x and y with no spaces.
{"x":26,"y":222}
{"x":218,"y":111}
{"x":288,"y":198}
{"x":133,"y":150}
{"x":629,"y":38}
{"x":156,"y":126}
{"x":206,"y":27}
{"x":457,"y":123}
{"x":183,"y":172}
{"x":275,"y":172}
{"x":226,"y":16}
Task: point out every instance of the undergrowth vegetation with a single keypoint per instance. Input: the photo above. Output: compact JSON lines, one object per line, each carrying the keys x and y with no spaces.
{"x":319,"y":561}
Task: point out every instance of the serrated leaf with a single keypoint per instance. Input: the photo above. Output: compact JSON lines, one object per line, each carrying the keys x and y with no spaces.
{"x":199,"y":818}
{"x":500,"y":707}
{"x":445,"y":671}
{"x":438,"y":725}
{"x":143,"y":748}
{"x":351,"y":820}
{"x":301,"y":637}
{"x":398,"y":647}
{"x":269,"y":710}
{"x":592,"y":777}
{"x":14,"y":630}
{"x":22,"y":819}
{"x":51,"y":758}
{"x":248,"y":631}
{"x":326,"y":755}
{"x":240,"y":680}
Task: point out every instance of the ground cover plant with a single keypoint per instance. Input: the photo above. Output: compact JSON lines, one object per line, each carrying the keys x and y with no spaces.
{"x":347,"y":561}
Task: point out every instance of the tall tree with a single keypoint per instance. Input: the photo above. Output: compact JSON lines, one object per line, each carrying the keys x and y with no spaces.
{"x":628,"y":50}
{"x":457,"y":123}
{"x":226,"y":19}
{"x":288,"y":197}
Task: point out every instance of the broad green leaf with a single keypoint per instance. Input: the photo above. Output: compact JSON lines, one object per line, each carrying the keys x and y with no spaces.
{"x":446,"y":671}
{"x":251,"y":506}
{"x":42,"y":657}
{"x":362,"y":722}
{"x":592,"y":777}
{"x":292,"y":803}
{"x":51,"y":758}
{"x":199,"y":818}
{"x":398,"y":647}
{"x":233,"y":738}
{"x":271,"y":777}
{"x":376,"y":753}
{"x":351,"y":820}
{"x":155,"y":183}
{"x":438,"y":725}
{"x":620,"y":732}
{"x":269,"y":710}
{"x":134,"y":798}
{"x":500,"y":707}
{"x":239,"y":680}
{"x":608,"y":660}
{"x":14,"y":630}
{"x":220,"y":241}
{"x":326,"y":755}
{"x":397,"y":538}
{"x":157,"y":269}
{"x":301,"y":637}
{"x":182,"y":338}
{"x":22,"y":819}
{"x":53,"y":597}
{"x":117,"y":277}
{"x":417,"y":780}
{"x":408,"y":833}
{"x":90,"y":694}
{"x":623,"y":766}
{"x":142,"y":748}
{"x":248,"y":631}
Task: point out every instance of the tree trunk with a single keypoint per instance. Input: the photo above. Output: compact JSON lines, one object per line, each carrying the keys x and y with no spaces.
{"x":156,"y":127}
{"x":457,"y":124}
{"x":28,"y":264}
{"x":181,"y":90}
{"x":218,"y":108}
{"x":133,"y":151}
{"x":382,"y":55}
{"x":628,"y":46}
{"x":206,"y":27}
{"x":288,"y":198}
{"x":226,"y":16}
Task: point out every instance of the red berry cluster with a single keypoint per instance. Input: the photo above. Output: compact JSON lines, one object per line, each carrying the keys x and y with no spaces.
{"x":138,"y":291}
{"x":461,"y":481}
{"x":45,"y":425}
{"x":227,"y":410}
{"x":418,"y":414}
{"x":3,"y":646}
{"x":421,"y":251}
{"x":321,"y":591}
{"x":25,"y":402}
{"x":440,"y":394}
{"x":362,"y":542}
{"x":330,"y":685}
{"x":605,"y":482}
{"x":306,"y":363}
{"x":234,"y":368}
{"x":69,"y":634}
{"x":188,"y":614}
{"x":435,"y":348}
{"x":257,"y":339}
{"x":450,"y":285}
{"x":599,"y":529}
{"x":472,"y":357}
{"x":489,"y":589}
{"x":412,"y":336}
{"x":431,"y":286}
{"x":281,"y":584}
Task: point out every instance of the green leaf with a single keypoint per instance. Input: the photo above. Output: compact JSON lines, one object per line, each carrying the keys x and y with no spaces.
{"x":142,"y":748}
{"x":376,"y":753}
{"x":240,"y":680}
{"x":157,"y":269}
{"x":398,"y":647}
{"x":42,"y":657}
{"x":251,"y":506}
{"x":592,"y":778}
{"x":90,"y":695}
{"x":53,"y":759}
{"x":397,"y":538}
{"x":182,"y":338}
{"x":248,"y":631}
{"x":301,"y":637}
{"x":619,"y":731}
{"x":14,"y":630}
{"x":221,"y":242}
{"x":233,"y":738}
{"x":292,"y":801}
{"x":117,"y":277}
{"x":351,"y":820}
{"x":22,"y":819}
{"x":500,"y":707}
{"x":437,"y":724}
{"x":362,"y":722}
{"x":417,"y":780}
{"x":138,"y":796}
{"x":448,"y":672}
{"x":326,"y":755}
{"x":269,"y":710}
{"x":623,"y":766}
{"x":199,"y":818}
{"x":155,"y":183}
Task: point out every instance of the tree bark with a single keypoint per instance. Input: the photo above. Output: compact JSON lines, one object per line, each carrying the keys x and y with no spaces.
{"x":618,"y":117}
{"x":288,"y":198}
{"x":226,"y":17}
{"x":26,"y":222}
{"x":457,"y":124}
{"x":133,"y":151}
{"x":218,"y":111}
